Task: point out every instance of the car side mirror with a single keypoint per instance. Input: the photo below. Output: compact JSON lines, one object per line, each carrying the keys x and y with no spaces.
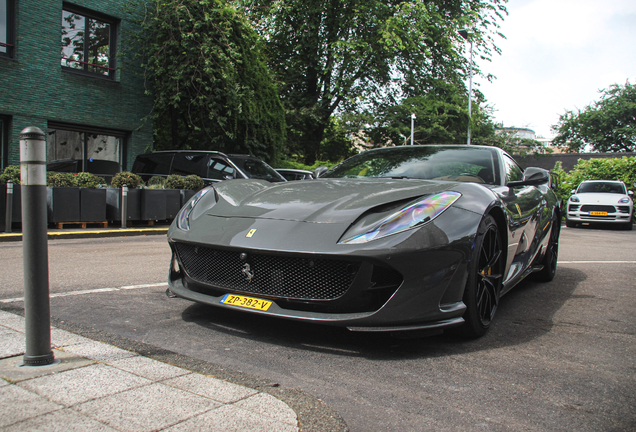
{"x":630,"y":193}
{"x":320,"y":171}
{"x":532,"y":177}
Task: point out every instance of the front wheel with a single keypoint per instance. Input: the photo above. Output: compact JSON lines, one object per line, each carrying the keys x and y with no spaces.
{"x":485,"y":277}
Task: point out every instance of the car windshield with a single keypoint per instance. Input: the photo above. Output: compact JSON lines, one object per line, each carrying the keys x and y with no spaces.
{"x":256,"y":169}
{"x":601,"y":187}
{"x":421,"y":162}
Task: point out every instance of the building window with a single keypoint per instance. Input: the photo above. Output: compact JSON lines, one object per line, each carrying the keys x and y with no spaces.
{"x":88,"y":42}
{"x":77,"y":149}
{"x":6,"y":28}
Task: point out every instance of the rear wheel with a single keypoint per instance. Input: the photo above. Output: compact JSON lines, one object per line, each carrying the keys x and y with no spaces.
{"x":485,"y":277}
{"x":549,"y":261}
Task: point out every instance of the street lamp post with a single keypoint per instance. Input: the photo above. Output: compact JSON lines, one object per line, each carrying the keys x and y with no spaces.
{"x":412,"y":126}
{"x":464,"y":34}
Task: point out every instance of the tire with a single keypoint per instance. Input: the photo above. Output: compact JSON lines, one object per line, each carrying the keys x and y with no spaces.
{"x":485,"y":277}
{"x":549,"y":261}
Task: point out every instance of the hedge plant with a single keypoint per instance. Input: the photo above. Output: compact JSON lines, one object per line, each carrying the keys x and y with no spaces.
{"x":193,"y":182}
{"x":127,"y":178}
{"x":58,"y":179}
{"x":88,"y":180}
{"x":11,"y":172}
{"x":174,"y":181}
{"x":156,"y":182}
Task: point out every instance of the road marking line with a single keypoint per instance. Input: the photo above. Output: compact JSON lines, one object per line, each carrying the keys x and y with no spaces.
{"x":597,"y":262}
{"x":90,"y":291}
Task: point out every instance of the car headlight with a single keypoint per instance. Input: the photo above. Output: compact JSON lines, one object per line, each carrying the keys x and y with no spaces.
{"x":624,"y":200}
{"x":183,"y":218}
{"x":575,"y":199}
{"x":409,"y":217}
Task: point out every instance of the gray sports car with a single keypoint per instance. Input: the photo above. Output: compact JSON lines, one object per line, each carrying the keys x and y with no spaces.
{"x":394,"y":239}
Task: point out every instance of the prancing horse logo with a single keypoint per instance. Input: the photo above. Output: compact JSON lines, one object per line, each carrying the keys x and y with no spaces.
{"x":247,"y":271}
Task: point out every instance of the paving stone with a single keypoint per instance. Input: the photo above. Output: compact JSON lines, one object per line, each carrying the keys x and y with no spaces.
{"x":152,"y":407}
{"x":62,"y":338}
{"x":12,"y":343}
{"x":212,"y":388}
{"x":12,"y":321}
{"x":99,"y":351}
{"x":148,"y":368}
{"x":18,"y":404}
{"x":230,"y":418}
{"x":83,"y":384}
{"x":266,"y":404}
{"x":65,"y":420}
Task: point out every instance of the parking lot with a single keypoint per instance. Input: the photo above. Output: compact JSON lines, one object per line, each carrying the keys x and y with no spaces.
{"x":559,"y":357}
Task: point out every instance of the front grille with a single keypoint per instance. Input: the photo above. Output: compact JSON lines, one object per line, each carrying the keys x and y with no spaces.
{"x":623,"y":209}
{"x":574,"y":207}
{"x":605,"y":208}
{"x":273,"y":275}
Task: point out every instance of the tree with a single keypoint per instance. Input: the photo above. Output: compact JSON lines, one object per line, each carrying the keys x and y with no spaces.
{"x":347,"y":55}
{"x":608,"y":125}
{"x":209,"y":77}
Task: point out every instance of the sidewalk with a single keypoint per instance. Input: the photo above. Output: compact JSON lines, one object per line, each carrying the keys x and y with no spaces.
{"x":75,"y":232}
{"x":99,"y":387}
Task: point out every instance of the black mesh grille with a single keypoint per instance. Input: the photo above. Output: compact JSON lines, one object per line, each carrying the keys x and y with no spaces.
{"x":278,"y":276}
{"x":605,"y":208}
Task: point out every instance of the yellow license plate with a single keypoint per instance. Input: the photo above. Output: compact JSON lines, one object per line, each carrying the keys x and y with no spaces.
{"x":598,"y":213}
{"x":246,"y":302}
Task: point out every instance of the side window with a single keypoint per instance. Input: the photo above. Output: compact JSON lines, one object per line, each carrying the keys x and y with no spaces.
{"x":513,"y":172}
{"x":153,"y":164}
{"x":7,"y":36}
{"x":88,"y":42}
{"x":188,"y":164}
{"x":220,"y":169}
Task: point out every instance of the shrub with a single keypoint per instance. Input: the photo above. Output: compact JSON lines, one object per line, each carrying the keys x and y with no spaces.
{"x":88,"y":180}
{"x":156,"y":182}
{"x":57,"y":179}
{"x":174,"y":181}
{"x":193,"y":182}
{"x":11,"y":172}
{"x":126,"y":178}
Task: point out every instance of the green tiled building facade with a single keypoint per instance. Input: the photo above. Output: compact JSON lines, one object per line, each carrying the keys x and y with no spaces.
{"x":65,"y":68}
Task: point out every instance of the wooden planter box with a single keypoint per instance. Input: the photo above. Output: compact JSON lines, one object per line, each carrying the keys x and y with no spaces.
{"x":153,"y":204}
{"x":92,"y":205}
{"x":63,"y":204}
{"x":113,"y":204}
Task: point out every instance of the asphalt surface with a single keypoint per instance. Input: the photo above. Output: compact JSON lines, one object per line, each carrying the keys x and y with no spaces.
{"x":559,"y":356}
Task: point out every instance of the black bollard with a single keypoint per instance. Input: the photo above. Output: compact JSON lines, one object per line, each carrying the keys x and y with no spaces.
{"x":37,"y":313}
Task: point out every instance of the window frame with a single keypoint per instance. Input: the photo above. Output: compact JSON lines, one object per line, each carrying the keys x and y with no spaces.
{"x":86,"y":130}
{"x":10,"y":43}
{"x":112,"y":42}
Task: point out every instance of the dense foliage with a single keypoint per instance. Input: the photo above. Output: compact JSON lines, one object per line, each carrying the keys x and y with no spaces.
{"x":129,"y":179}
{"x":11,"y":172}
{"x":608,"y":125}
{"x":623,"y":169}
{"x":367,"y":55}
{"x":212,"y":89}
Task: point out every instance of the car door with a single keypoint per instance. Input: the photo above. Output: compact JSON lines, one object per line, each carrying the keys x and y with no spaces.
{"x":523,"y":205}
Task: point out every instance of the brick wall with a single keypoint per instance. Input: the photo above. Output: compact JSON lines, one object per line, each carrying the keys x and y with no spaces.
{"x":35,"y":89}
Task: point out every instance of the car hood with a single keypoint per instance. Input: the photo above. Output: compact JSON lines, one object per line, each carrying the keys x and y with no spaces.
{"x":600,"y":198}
{"x":317,"y":201}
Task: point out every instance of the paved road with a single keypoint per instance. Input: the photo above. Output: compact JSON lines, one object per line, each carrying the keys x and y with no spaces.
{"x":559,"y":357}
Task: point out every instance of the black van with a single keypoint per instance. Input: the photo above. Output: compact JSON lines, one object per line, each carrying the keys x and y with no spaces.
{"x":211,"y":166}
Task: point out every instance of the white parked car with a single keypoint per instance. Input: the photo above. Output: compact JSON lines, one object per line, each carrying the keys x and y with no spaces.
{"x":606,"y":201}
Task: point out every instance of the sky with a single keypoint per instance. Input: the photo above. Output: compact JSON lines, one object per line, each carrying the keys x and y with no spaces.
{"x":556,"y":57}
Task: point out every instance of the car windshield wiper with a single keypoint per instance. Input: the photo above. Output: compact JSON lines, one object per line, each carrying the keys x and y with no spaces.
{"x":395,"y":177}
